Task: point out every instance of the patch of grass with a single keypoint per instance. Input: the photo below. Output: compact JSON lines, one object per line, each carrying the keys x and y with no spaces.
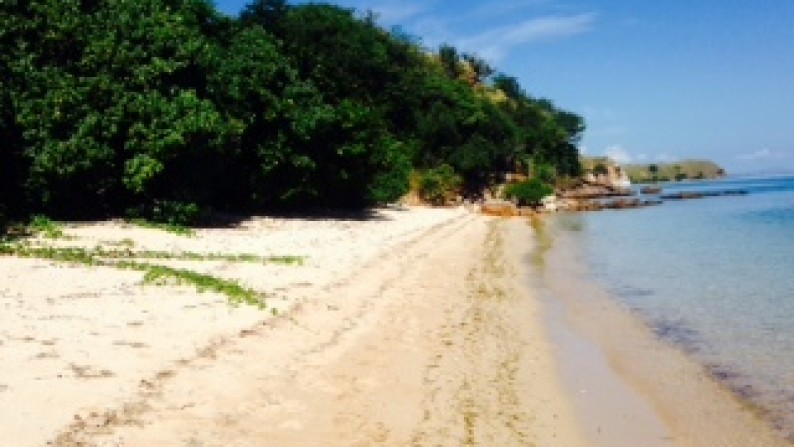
{"x":192,"y":256}
{"x":67,"y":254}
{"x":126,"y":242}
{"x":96,"y":255}
{"x":183,"y":256}
{"x":285,"y":260}
{"x":158,"y":274}
{"x":46,"y":227}
{"x":180,"y":230}
{"x":153,"y":274}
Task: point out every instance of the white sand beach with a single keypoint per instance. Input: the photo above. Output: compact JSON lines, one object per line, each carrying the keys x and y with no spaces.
{"x":413,"y":327}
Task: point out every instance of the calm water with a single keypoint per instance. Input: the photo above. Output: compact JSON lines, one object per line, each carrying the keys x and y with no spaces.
{"x":714,"y":276}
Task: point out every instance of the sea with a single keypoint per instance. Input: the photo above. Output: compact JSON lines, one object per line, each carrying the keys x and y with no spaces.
{"x":713,"y":277}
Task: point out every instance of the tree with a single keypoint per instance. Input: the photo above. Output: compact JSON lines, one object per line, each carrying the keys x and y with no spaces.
{"x":269,"y":14}
{"x":450,"y":61}
{"x":354,"y":154}
{"x":168,"y":107}
{"x":480,"y":68}
{"x":509,"y":85}
{"x":600,"y":169}
{"x":653,"y":169}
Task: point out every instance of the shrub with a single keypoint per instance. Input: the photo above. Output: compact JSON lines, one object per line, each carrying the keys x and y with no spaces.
{"x":3,"y":217}
{"x":600,"y":169}
{"x":528,"y":192}
{"x":170,"y":212}
{"x":439,"y":185}
{"x":43,"y":225}
{"x":177,"y":212}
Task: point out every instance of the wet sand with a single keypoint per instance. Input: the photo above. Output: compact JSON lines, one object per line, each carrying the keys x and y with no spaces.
{"x":627,"y":376}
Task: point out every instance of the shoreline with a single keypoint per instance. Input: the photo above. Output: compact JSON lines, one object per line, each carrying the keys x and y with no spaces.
{"x":695,"y":408}
{"x":419,"y":327}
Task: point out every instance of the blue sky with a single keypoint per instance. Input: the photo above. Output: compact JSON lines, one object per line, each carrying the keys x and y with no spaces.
{"x":655,"y":80}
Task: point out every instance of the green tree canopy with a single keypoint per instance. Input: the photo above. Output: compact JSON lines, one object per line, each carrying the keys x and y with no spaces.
{"x":158,"y":105}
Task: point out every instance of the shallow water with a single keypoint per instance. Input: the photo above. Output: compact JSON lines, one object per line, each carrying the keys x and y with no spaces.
{"x":713,"y":276}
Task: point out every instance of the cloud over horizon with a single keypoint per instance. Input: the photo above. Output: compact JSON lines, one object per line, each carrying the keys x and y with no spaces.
{"x":763,"y":154}
{"x":617,"y":154}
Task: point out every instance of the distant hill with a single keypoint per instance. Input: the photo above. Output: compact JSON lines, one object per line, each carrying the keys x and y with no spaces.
{"x":680,"y":170}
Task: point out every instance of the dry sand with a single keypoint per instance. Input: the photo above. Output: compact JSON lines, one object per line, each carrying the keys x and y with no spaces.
{"x":407,"y":328}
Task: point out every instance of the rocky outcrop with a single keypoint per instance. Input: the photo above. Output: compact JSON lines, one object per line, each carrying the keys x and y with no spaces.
{"x":504,"y":208}
{"x":594,"y":191}
{"x":651,"y":190}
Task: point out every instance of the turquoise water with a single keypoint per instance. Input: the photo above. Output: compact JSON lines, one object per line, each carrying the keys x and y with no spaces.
{"x":714,"y":276}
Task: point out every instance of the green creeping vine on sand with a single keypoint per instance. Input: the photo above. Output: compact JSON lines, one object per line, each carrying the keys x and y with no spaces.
{"x":180,"y":230}
{"x":192,"y":256}
{"x":159,"y":275}
{"x":46,"y":227}
{"x":156,"y":274}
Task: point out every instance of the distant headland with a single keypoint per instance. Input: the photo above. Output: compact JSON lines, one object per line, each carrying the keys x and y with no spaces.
{"x":675,"y":171}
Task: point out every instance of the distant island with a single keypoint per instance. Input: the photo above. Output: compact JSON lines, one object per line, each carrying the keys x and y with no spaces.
{"x":677,"y":171}
{"x":656,"y":172}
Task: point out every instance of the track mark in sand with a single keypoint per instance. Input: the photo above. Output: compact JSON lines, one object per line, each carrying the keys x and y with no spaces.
{"x":486,"y":406}
{"x":89,"y":372}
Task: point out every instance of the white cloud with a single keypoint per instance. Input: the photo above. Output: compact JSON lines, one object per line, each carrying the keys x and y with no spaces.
{"x":617,"y":154}
{"x":763,"y":154}
{"x":494,"y":44}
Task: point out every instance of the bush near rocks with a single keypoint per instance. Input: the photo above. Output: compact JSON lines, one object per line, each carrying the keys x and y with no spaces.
{"x":439,"y":186}
{"x":528,"y":193}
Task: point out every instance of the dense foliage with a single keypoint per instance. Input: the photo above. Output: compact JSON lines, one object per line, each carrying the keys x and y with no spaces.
{"x":167,"y":108}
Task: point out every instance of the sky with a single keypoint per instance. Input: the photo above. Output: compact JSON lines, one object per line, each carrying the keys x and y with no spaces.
{"x":656,"y":81}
